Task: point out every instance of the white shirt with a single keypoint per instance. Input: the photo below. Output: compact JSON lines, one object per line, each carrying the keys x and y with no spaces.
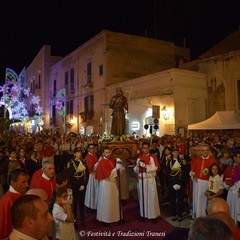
{"x":16,"y":235}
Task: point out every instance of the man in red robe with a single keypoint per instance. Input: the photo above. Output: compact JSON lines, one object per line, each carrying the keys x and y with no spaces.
{"x":46,"y":180}
{"x":200,"y":174}
{"x":47,"y":151}
{"x":146,"y":169}
{"x":108,"y":208}
{"x":18,"y":180}
{"x":92,"y":186}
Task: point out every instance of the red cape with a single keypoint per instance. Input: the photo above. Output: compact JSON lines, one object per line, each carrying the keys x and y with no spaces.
{"x":146,"y":159}
{"x":39,"y":182}
{"x":105,"y":168}
{"x":198,"y":166}
{"x":6,"y":203}
{"x":91,"y":160}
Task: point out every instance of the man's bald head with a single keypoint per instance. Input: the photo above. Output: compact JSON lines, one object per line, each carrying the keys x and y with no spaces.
{"x":39,"y":192}
{"x":218,"y":205}
{"x":226,"y":218}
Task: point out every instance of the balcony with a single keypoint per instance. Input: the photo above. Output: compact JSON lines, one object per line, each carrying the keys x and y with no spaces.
{"x":88,"y":85}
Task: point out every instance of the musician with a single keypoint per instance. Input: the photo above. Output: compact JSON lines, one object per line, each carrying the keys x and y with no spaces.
{"x":108,"y":207}
{"x":78,"y":174}
{"x":176,"y":172}
{"x":146,"y":168}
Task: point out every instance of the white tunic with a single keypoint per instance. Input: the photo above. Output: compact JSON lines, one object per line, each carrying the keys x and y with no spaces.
{"x":199,"y":199}
{"x":91,"y":192}
{"x":108,"y":199}
{"x":233,"y":200}
{"x":151,"y":203}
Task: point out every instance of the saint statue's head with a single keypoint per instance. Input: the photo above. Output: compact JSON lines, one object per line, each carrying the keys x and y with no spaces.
{"x":119,"y":91}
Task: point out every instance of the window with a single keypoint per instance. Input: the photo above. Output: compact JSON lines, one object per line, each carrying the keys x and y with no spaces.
{"x":69,"y":107}
{"x":53,"y":114}
{"x":89,"y":72}
{"x":33,"y":90}
{"x":39,"y":81}
{"x":88,"y":107}
{"x":66,"y":80}
{"x":101,"y":70}
{"x":72,"y":79}
{"x":54,"y":87}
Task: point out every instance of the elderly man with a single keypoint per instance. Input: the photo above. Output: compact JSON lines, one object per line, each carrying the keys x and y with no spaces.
{"x":30,"y":218}
{"x":18,"y":180}
{"x":219,"y":208}
{"x":39,"y":192}
{"x":218,"y":205}
{"x":209,"y":228}
{"x":200,"y":174}
{"x":45,"y":178}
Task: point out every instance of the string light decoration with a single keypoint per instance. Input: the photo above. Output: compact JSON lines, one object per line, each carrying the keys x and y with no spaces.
{"x":14,"y":97}
{"x":60,"y":105}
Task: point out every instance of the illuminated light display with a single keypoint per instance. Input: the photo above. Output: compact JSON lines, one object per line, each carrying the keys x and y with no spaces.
{"x":60,"y":102}
{"x":61,"y":106}
{"x":12,"y":94}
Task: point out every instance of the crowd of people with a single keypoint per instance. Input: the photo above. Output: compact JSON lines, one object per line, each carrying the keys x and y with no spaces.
{"x":72,"y":174}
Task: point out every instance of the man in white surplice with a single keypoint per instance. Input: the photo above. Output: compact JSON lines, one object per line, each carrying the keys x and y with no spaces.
{"x":108,"y":209}
{"x":146,"y":167}
{"x":92,"y":186}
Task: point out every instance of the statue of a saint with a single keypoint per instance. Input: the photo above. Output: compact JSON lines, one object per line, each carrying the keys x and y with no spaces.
{"x":119,"y":106}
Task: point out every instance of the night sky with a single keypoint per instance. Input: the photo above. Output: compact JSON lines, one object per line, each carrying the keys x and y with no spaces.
{"x":26,"y":25}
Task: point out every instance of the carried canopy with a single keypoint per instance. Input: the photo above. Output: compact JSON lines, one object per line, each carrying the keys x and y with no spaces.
{"x":220,"y":120}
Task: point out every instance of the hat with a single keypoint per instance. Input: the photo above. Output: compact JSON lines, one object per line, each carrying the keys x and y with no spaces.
{"x":77,"y":149}
{"x":175,"y":149}
{"x":168,"y":148}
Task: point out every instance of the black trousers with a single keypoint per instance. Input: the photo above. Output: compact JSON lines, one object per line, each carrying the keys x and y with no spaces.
{"x":78,"y":202}
{"x":59,"y":164}
{"x":176,"y":201}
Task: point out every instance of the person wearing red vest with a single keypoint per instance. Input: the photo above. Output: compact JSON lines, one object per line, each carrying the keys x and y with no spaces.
{"x":146,"y":168}
{"x":18,"y":180}
{"x":92,"y":186}
{"x":200,"y":174}
{"x":108,"y":208}
{"x":45,"y":178}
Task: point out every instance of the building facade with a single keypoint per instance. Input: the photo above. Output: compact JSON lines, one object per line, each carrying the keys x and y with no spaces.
{"x":221,"y":64}
{"x":106,"y":59}
{"x":75,"y":90}
{"x":180,"y":96}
